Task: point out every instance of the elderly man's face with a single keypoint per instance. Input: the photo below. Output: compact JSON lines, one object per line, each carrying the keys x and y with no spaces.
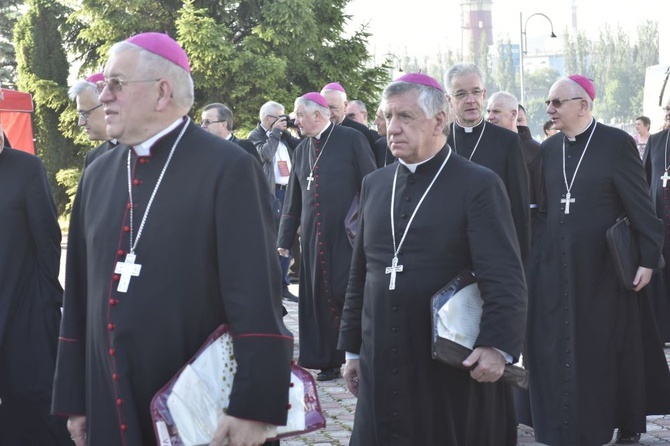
{"x":336,"y":105}
{"x":355,"y":114}
{"x":410,"y":134}
{"x":129,"y":111}
{"x":94,"y":118}
{"x":307,"y":121}
{"x":467,"y":98}
{"x":497,"y":114}
{"x":380,"y":122}
{"x":566,"y":117}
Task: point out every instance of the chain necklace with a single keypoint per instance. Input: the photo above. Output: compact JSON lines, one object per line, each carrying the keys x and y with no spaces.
{"x":568,"y":199}
{"x":128,"y":268}
{"x":665,"y":176}
{"x":310,"y":178}
{"x":453,"y":125}
{"x":395,"y":268}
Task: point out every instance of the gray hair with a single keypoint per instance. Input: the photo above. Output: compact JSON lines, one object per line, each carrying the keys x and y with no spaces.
{"x":431,"y":100}
{"x":341,"y":94}
{"x":150,"y":64}
{"x":311,"y":106}
{"x":81,"y":86}
{"x":269,"y":108}
{"x":360,"y":104}
{"x":508,"y":100}
{"x":578,"y":90}
{"x":223,"y":111}
{"x":461,"y":69}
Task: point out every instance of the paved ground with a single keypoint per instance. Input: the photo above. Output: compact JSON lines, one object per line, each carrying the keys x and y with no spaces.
{"x":339,"y":405}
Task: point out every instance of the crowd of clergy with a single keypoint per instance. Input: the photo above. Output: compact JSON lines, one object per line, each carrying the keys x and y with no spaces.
{"x":179,"y":226}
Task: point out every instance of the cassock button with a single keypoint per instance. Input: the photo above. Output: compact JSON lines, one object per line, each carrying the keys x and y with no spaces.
{"x":394,"y":371}
{"x":113,"y":302}
{"x":115,"y":376}
{"x":126,"y":229}
{"x":116,"y":277}
{"x":403,"y":215}
{"x":394,"y":308}
{"x":407,"y":199}
{"x":394,"y":329}
{"x":136,"y":182}
{"x":124,"y":427}
{"x":119,"y":402}
{"x":567,"y":366}
{"x":110,"y":326}
{"x":111,"y":352}
{"x":120,"y":252}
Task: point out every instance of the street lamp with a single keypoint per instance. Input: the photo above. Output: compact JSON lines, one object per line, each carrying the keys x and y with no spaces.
{"x":523,"y":45}
{"x":397,"y":59}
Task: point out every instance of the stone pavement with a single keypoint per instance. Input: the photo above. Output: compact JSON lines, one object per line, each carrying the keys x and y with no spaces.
{"x":339,"y":405}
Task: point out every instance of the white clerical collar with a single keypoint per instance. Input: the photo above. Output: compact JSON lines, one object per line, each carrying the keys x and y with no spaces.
{"x":468,"y":129}
{"x":412,"y":167}
{"x":574,"y":138}
{"x":324,"y":129}
{"x":144,"y":149}
{"x":229,"y":137}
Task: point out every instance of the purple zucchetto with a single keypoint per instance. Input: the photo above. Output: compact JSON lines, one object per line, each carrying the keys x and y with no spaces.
{"x":334,"y":86}
{"x":585,"y":83}
{"x":421,"y":79}
{"x":316,"y":97}
{"x":95,"y":78}
{"x":164,"y":46}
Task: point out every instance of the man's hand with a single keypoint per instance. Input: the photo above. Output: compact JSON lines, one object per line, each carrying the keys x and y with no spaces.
{"x":77,"y":427}
{"x":351,"y":374}
{"x":233,"y":431}
{"x":642,"y":278}
{"x":284,"y":252}
{"x":490,"y":364}
{"x":280,"y":124}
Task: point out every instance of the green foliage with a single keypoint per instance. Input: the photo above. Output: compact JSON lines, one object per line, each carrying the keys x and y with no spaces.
{"x":9,"y":14}
{"x":42,"y":71}
{"x":68,"y":179}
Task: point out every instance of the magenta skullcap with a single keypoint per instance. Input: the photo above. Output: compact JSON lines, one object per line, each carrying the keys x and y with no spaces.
{"x":334,"y":86}
{"x":316,"y":97}
{"x":585,"y":83}
{"x":95,"y":78}
{"x":421,"y":79}
{"x":162,"y":45}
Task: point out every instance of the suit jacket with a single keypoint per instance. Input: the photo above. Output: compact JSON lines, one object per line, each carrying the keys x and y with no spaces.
{"x":247,"y":145}
{"x":361,"y":128}
{"x":266,"y":147}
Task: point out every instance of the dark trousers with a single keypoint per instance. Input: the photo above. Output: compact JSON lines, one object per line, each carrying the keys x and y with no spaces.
{"x":284,"y":262}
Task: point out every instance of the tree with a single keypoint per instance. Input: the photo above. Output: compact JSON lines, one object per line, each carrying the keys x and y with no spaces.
{"x":42,"y":71}
{"x":9,"y":14}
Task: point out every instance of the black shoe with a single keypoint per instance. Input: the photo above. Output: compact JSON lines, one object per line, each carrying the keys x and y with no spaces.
{"x":328,"y":374}
{"x":286,"y":294}
{"x":627,"y":437}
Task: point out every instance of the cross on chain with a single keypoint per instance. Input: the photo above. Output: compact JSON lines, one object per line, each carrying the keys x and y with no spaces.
{"x":392,"y":270}
{"x":127,"y":268}
{"x":665,"y":178}
{"x":310,"y":178}
{"x":567,"y":200}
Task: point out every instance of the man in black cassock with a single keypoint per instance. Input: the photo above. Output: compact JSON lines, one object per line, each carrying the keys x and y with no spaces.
{"x":593,"y":352}
{"x":438,"y":214}
{"x":30,"y":300}
{"x":328,"y":168}
{"x":91,"y":115}
{"x":494,"y":147}
{"x":657,"y":163}
{"x":205,"y":255}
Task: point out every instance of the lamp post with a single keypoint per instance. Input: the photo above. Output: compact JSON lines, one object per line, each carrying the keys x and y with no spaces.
{"x":392,"y":56}
{"x":523,"y":45}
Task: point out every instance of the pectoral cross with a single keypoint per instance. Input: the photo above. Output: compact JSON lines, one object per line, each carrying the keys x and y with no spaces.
{"x":127,"y":268}
{"x":392,"y":270}
{"x":567,"y":200}
{"x":310,"y":178}
{"x":665,"y":178}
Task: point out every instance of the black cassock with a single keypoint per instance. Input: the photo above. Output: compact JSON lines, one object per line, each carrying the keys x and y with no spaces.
{"x":656,"y":160}
{"x":500,"y":150}
{"x":325,"y":249}
{"x":406,"y":397}
{"x":208,"y":257}
{"x":30,"y":299}
{"x":591,"y":344}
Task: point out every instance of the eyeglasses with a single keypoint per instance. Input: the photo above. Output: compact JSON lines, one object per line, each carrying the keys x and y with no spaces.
{"x":460,"y":95}
{"x":115,"y":85}
{"x":83,"y":115}
{"x":558,"y":102}
{"x":207,"y":122}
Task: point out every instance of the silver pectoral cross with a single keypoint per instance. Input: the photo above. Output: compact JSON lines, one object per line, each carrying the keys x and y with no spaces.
{"x":665,"y":178}
{"x":567,"y":200}
{"x":127,"y":269}
{"x":392,"y":270}
{"x":310,"y":178}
